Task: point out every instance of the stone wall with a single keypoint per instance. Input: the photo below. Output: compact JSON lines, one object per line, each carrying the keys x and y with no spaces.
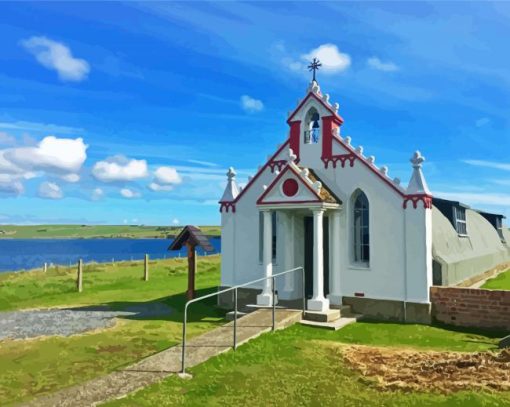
{"x":471,"y":307}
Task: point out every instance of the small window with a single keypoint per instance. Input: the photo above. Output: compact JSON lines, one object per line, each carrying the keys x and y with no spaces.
{"x":459,"y":214}
{"x":261,"y":236}
{"x":361,"y":238}
{"x":499,"y":228}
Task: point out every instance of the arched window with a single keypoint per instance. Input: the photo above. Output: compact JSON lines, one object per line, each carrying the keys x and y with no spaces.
{"x":312,"y":126}
{"x":361,"y":238}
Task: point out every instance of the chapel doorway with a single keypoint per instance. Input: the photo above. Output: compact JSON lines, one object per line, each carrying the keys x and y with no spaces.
{"x":308,"y":251}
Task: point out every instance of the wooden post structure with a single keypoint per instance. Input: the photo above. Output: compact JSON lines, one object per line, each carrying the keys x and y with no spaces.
{"x":192,"y":268}
{"x":79,"y":280}
{"x":191,"y":237}
{"x":146,"y":268}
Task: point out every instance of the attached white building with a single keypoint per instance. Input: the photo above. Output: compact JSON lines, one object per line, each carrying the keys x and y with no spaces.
{"x":318,"y":202}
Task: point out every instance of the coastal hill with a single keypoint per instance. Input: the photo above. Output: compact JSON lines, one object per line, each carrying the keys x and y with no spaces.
{"x":95,"y":231}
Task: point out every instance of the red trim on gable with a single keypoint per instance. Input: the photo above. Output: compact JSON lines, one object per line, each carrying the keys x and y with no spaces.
{"x":342,"y":158}
{"x":277,"y":163}
{"x":280,"y":175}
{"x":250,"y":183}
{"x":226,"y":205}
{"x":382,"y":177}
{"x":336,"y":115}
{"x":415,"y":198}
{"x":287,"y":202}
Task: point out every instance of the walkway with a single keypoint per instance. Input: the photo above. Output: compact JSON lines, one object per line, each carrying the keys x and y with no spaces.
{"x":158,"y":366}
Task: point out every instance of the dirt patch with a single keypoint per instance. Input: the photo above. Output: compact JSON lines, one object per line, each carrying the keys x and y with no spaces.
{"x":445,"y":372}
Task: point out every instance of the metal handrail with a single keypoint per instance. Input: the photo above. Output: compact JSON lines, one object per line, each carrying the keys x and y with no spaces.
{"x":235,"y":288}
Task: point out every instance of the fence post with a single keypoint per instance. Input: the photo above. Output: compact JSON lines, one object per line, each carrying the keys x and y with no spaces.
{"x":45,"y":267}
{"x":79,"y":280}
{"x":146,"y":268}
{"x":235,"y":318}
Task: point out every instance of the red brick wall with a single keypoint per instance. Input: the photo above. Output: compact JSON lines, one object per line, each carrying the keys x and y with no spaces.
{"x":471,"y":307}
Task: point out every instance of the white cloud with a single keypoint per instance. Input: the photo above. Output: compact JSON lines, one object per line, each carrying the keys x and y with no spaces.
{"x":482,"y":122}
{"x":175,"y":221}
{"x":97,"y":194}
{"x":51,"y":154}
{"x":70,"y":177}
{"x":120,"y":168}
{"x":489,"y":164}
{"x":154,"y":186}
{"x":376,"y":63}
{"x":41,"y":127}
{"x":57,"y":56}
{"x":6,"y":139}
{"x":10,"y":185}
{"x":50,"y":190}
{"x":204,"y":163}
{"x":250,"y":104}
{"x":331,"y":58}
{"x":167,"y":175}
{"x":129,"y":193}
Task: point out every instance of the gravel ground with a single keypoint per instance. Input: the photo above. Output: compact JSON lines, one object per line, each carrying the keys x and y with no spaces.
{"x":70,"y":321}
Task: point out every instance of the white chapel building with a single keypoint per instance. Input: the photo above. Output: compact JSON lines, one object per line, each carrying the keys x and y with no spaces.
{"x":363,"y":238}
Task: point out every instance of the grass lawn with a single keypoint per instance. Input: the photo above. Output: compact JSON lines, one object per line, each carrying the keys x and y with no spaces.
{"x":36,"y":366}
{"x":94,"y":231}
{"x":500,"y":282}
{"x":302,"y":366}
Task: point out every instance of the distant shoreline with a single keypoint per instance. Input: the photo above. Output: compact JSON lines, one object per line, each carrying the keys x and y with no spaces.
{"x":97,"y":231}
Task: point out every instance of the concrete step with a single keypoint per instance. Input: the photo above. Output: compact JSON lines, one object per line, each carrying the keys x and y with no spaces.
{"x":334,"y":325}
{"x":326,"y":316}
{"x":345,"y":310}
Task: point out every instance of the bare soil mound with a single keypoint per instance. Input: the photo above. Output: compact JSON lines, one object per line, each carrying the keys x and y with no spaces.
{"x":445,"y":372}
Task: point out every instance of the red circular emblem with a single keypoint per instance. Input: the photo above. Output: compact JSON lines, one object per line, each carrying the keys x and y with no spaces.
{"x":290,"y":187}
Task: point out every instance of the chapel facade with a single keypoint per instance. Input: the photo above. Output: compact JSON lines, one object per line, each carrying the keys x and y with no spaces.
{"x":363,"y":238}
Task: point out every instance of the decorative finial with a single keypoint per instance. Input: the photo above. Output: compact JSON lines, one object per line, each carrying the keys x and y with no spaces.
{"x":359,"y":150}
{"x":336,"y":106}
{"x":291,"y":157}
{"x":384,"y":170}
{"x":314,"y":66}
{"x":371,"y":159}
{"x":417,"y":159}
{"x":396,"y":181}
{"x":231,"y":174}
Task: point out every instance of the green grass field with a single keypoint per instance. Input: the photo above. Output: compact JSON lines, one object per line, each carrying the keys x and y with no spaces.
{"x":302,"y":366}
{"x":500,"y":282}
{"x":38,"y":366}
{"x":94,"y":231}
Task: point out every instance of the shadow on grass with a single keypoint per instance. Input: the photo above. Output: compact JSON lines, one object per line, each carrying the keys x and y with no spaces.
{"x":174,"y":310}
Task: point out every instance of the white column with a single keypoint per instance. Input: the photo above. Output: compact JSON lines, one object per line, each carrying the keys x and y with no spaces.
{"x":334,"y":249}
{"x":266,"y":297}
{"x":287,"y":222}
{"x":318,"y":302}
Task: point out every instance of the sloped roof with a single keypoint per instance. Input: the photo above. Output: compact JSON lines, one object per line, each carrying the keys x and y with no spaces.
{"x":326,"y":194}
{"x":193,"y":235}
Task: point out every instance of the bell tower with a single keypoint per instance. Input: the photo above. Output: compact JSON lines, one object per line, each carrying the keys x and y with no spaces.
{"x":314,"y":124}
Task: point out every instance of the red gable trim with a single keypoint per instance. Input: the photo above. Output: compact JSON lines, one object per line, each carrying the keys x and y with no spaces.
{"x":250,"y":183}
{"x":382,"y":177}
{"x":415,"y":198}
{"x":275,"y":181}
{"x":337,"y":117}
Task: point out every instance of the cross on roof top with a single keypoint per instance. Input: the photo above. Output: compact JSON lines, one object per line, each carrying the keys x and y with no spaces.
{"x":314,"y":66}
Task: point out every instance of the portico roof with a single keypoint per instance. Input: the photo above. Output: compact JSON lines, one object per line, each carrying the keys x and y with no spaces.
{"x":298,"y":186}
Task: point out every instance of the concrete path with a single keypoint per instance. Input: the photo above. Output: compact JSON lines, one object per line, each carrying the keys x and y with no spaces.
{"x":157,"y":367}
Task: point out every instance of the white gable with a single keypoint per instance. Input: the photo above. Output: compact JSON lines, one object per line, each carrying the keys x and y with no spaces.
{"x":290,"y":186}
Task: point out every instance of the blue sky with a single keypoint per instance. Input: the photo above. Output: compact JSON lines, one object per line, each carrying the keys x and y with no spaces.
{"x":131,"y":113}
